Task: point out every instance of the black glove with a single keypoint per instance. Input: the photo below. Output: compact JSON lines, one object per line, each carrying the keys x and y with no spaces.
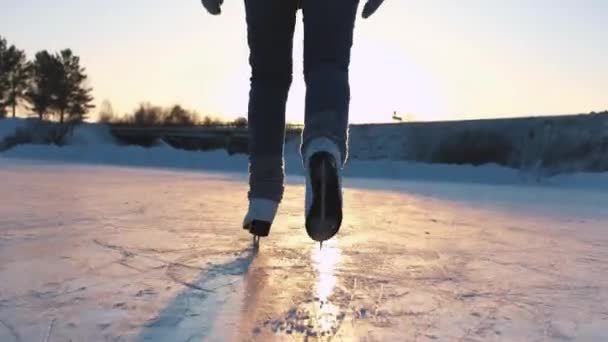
{"x":213,"y":6}
{"x":370,"y":7}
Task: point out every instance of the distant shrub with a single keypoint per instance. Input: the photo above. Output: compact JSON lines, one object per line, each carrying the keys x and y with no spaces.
{"x":240,"y":122}
{"x":106,"y":118}
{"x":212,"y":122}
{"x":474,"y":147}
{"x":294,"y":129}
{"x":179,"y":116}
{"x":589,"y":155}
{"x":150,"y":115}
{"x":106,"y":113}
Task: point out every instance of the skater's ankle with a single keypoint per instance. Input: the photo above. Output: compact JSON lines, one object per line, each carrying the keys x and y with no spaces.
{"x":321,"y":144}
{"x":261,"y":209}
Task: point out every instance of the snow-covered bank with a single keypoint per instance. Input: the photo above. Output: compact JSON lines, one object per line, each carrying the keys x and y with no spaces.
{"x":15,"y":132}
{"x":165,"y":157}
{"x":560,"y":144}
{"x":8,"y":127}
{"x":94,"y":144}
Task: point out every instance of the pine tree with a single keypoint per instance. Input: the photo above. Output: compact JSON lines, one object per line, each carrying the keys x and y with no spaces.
{"x":58,"y":86}
{"x":71,"y":95}
{"x":18,"y":76}
{"x":44,"y":78}
{"x":106,"y":112}
{"x":80,"y":104}
{"x":3,"y":79}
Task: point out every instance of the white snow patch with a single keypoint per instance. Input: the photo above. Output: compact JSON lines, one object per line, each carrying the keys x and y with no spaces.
{"x":98,"y":152}
{"x":133,"y":156}
{"x":87,"y":134}
{"x":94,"y":144}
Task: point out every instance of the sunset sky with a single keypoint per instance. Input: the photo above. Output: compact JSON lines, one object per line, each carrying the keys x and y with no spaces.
{"x":433,"y":59}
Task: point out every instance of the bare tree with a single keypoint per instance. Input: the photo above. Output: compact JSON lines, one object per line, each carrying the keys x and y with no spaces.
{"x":106,"y":112}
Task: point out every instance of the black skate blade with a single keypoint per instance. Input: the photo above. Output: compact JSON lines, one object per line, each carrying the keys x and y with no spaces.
{"x":325,"y":215}
{"x":256,"y":243}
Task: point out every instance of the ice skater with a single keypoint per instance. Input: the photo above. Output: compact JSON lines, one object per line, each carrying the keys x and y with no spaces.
{"x":328,"y":38}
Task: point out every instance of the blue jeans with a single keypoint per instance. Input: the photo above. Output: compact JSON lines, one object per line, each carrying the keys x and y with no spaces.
{"x":328,"y":37}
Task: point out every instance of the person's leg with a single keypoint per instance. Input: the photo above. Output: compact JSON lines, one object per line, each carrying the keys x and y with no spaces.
{"x":328,"y":37}
{"x":270,"y":27}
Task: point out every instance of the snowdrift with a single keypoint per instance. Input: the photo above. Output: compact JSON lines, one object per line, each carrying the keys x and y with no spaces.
{"x":552,"y":145}
{"x":8,"y":127}
{"x":418,"y":151}
{"x":14,"y":132}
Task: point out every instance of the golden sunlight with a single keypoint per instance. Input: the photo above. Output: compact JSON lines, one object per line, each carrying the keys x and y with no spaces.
{"x":387,"y":79}
{"x":383,"y":80}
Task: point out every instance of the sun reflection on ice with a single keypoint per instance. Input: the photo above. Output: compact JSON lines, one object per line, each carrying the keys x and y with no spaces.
{"x":325,"y":262}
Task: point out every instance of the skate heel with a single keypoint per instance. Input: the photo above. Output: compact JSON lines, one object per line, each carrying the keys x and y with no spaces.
{"x":260,"y":216}
{"x":259,"y":228}
{"x":325,"y":216}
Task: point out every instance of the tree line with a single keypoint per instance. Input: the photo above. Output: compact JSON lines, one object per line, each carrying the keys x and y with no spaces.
{"x":50,"y":85}
{"x":148,"y":114}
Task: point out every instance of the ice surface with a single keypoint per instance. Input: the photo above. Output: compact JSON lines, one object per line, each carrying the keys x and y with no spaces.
{"x":90,"y":253}
{"x":107,"y":242}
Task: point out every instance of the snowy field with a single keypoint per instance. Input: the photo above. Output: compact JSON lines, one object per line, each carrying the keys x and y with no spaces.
{"x":107,"y":253}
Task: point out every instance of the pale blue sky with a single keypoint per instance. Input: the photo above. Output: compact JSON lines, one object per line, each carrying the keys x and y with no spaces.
{"x":435,"y":59}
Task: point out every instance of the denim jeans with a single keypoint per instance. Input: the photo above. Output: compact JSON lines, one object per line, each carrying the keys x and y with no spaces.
{"x":328,"y":37}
